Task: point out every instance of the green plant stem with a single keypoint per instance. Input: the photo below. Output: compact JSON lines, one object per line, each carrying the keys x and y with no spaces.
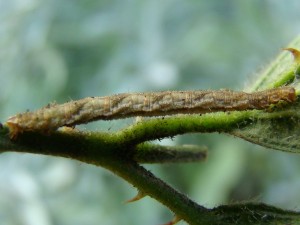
{"x":152,"y":153}
{"x":116,"y":152}
{"x":121,"y":152}
{"x":182,"y":206}
{"x":84,"y":147}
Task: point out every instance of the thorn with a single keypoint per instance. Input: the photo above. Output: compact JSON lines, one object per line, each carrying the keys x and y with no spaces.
{"x":139,"y":196}
{"x":175,"y":220}
{"x":295,"y":53}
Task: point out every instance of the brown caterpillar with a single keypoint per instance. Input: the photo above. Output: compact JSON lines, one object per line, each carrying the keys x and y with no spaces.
{"x":144,"y":104}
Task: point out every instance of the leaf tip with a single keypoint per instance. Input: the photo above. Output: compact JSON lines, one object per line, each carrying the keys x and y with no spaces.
{"x":295,"y":53}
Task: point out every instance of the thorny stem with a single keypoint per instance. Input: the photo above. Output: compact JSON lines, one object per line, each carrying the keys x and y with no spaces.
{"x":118,"y":153}
{"x":85,"y":147}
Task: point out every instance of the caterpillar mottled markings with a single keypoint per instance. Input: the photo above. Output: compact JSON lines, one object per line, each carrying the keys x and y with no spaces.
{"x":144,"y":104}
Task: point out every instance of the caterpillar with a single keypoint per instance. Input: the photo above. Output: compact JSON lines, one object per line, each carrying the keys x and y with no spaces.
{"x":146,"y":104}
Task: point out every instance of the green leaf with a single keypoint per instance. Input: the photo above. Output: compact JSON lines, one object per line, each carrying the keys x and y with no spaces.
{"x":279,"y":129}
{"x":280,"y":72}
{"x":281,"y":132}
{"x":253,"y":213}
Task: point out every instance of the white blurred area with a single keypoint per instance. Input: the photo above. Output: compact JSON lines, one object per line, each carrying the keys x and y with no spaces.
{"x":60,"y":50}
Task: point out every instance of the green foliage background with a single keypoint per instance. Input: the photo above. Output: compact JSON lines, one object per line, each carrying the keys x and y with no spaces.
{"x":54,"y":50}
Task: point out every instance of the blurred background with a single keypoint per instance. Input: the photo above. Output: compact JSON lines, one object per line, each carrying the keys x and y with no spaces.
{"x":60,"y":50}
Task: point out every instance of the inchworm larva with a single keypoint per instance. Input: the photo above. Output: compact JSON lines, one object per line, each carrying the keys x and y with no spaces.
{"x":144,"y":104}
